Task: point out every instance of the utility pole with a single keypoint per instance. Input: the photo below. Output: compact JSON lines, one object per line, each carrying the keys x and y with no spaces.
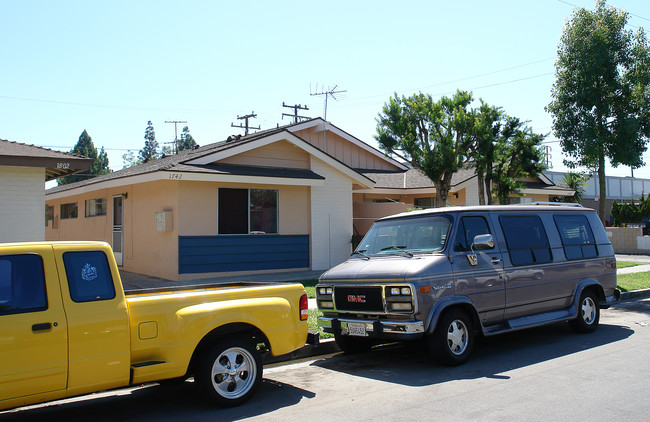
{"x":295,"y":108}
{"x":328,"y":93}
{"x":175,"y":122}
{"x":245,"y":125}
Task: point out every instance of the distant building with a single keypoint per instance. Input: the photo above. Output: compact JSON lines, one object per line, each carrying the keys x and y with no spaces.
{"x":24,"y":169}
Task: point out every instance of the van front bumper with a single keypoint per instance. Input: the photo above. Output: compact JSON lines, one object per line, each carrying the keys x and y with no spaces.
{"x":394,"y":330}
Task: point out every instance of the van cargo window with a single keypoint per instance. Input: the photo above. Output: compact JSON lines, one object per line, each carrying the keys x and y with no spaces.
{"x":577,"y":237}
{"x":89,"y":276}
{"x":22,"y":284}
{"x":468,"y":229}
{"x":526,"y":239}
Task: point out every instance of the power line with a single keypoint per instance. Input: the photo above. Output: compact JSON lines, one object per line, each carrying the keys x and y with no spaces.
{"x":245,"y":125}
{"x":175,"y":142}
{"x":296,"y":117}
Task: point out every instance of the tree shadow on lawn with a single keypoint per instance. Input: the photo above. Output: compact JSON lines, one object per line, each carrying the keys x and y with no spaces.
{"x":410,"y":364}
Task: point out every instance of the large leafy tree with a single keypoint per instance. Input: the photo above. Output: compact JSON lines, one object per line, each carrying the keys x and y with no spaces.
{"x":601,"y":96}
{"x":433,"y":136}
{"x":150,"y":150}
{"x":85,"y":147}
{"x":518,"y":154}
{"x":487,"y":128}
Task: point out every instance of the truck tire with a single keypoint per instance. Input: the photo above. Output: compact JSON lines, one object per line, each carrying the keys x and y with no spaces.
{"x":588,"y":313}
{"x":350,"y":344}
{"x":229,"y":372}
{"x":453,"y":339}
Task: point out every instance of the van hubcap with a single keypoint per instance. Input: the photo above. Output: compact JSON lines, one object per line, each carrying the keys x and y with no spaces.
{"x":588,"y":310}
{"x":457,"y":337}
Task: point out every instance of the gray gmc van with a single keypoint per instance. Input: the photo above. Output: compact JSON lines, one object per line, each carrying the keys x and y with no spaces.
{"x":448,"y":274}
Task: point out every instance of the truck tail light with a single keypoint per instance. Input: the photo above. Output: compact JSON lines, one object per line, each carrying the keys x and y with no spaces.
{"x":304,"y":308}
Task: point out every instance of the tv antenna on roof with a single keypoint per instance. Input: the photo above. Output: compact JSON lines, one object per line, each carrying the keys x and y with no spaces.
{"x":330,"y":92}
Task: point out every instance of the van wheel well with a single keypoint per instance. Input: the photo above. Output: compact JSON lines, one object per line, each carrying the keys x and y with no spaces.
{"x":469,"y":310}
{"x":229,"y":330}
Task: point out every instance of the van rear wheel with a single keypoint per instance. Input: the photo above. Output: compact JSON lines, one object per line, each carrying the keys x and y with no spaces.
{"x":588,"y":313}
{"x":453,"y":339}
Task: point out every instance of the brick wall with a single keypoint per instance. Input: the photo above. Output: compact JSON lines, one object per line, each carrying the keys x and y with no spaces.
{"x":628,"y":240}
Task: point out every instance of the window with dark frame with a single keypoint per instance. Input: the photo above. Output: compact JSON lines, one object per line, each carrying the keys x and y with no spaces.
{"x":89,"y":276}
{"x":69,"y":210}
{"x":244,"y":211}
{"x":526,"y":239}
{"x":95,"y":207}
{"x":577,"y":237}
{"x":469,"y":227}
{"x":22,"y":284}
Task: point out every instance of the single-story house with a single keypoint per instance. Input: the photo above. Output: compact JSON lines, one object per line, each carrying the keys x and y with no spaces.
{"x":24,"y":169}
{"x":288,"y":198}
{"x":275,"y":200}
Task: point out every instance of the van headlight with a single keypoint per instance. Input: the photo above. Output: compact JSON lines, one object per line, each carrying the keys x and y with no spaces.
{"x":401,"y":306}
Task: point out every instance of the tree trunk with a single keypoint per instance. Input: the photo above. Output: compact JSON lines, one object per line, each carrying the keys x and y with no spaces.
{"x":602,"y":184}
{"x":481,"y":189}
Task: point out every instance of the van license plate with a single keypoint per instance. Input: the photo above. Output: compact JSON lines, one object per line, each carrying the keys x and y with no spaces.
{"x":357,"y":329}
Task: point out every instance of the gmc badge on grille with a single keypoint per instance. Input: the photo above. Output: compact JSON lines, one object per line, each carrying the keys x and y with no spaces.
{"x":357,"y":298}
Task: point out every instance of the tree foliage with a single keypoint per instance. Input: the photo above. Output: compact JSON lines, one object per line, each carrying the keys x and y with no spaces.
{"x":440,"y":138}
{"x":85,"y":147}
{"x":433,"y":136}
{"x":150,"y":150}
{"x":187,"y":140}
{"x":601,"y":96}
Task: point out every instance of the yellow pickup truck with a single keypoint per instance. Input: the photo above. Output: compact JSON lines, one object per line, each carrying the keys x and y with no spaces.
{"x":67,"y":328}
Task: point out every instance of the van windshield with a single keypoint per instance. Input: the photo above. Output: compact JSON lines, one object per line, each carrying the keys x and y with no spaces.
{"x":425,"y":234}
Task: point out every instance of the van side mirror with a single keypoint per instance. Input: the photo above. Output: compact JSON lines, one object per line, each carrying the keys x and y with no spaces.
{"x":483,"y":241}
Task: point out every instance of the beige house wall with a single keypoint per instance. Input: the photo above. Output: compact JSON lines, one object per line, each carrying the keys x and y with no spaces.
{"x":22,"y":195}
{"x":279,"y":154}
{"x":344,"y":151}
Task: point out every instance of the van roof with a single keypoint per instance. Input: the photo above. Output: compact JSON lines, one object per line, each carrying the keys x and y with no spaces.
{"x":537,"y":206}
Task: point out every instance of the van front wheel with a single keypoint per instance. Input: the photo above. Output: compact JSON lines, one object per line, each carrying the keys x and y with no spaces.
{"x":453,"y":339}
{"x":588,"y":313}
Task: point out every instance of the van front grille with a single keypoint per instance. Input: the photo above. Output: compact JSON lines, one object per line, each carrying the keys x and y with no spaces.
{"x":364,"y":299}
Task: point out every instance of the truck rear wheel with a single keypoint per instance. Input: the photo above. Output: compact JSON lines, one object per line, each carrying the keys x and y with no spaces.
{"x":453,"y":339}
{"x":230,"y":371}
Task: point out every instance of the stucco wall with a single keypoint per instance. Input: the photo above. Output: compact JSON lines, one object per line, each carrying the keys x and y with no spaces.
{"x":331,"y":217}
{"x":628,"y":240}
{"x":22,"y":200}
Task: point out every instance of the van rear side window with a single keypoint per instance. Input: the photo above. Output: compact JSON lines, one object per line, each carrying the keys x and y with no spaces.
{"x":526,"y":239}
{"x":577,"y":237}
{"x":89,"y":276}
{"x":22,"y":284}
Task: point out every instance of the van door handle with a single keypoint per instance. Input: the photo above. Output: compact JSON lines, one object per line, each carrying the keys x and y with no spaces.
{"x":496,"y":260}
{"x":42,"y":326}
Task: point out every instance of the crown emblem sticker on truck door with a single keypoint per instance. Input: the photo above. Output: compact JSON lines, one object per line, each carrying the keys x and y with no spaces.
{"x":88,"y":272}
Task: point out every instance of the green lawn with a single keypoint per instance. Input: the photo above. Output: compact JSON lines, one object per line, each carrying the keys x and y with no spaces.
{"x":634,"y":281}
{"x":626,"y":264}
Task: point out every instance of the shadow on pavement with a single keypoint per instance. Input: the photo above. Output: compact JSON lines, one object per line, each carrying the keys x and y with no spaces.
{"x":493,"y":357}
{"x":153,"y":402}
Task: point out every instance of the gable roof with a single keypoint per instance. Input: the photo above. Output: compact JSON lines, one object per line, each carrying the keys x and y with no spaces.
{"x":203,"y":162}
{"x":56,"y":163}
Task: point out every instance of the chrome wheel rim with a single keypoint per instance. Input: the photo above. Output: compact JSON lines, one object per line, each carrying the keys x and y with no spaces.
{"x":588,"y":310}
{"x":457,"y":338}
{"x":233,"y":373}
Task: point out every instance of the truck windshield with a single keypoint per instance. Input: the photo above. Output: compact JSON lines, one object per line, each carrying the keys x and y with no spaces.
{"x":424,"y":234}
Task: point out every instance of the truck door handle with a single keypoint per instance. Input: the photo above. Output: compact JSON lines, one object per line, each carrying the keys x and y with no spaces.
{"x":42,"y":326}
{"x":496,"y":260}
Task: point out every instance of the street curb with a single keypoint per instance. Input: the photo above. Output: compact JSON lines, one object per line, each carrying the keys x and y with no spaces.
{"x":635,"y":294}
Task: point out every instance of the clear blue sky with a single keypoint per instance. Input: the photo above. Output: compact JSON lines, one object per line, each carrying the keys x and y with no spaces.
{"x":109,"y":67}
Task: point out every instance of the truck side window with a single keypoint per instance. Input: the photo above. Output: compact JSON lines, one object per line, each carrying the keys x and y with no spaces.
{"x":89,"y":276}
{"x":526,"y":239}
{"x":22,"y":284}
{"x":468,"y":229}
{"x":577,"y":237}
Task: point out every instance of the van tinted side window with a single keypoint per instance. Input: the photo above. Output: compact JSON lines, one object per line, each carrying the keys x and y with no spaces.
{"x":89,"y":276}
{"x":526,"y":239}
{"x":468,"y":229}
{"x":577,"y":238}
{"x":22,"y":284}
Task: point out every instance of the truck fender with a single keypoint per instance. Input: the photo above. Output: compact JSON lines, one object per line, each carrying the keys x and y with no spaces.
{"x":448,"y":302}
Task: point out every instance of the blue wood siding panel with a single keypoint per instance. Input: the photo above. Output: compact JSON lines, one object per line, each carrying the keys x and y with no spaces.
{"x":208,"y":254}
